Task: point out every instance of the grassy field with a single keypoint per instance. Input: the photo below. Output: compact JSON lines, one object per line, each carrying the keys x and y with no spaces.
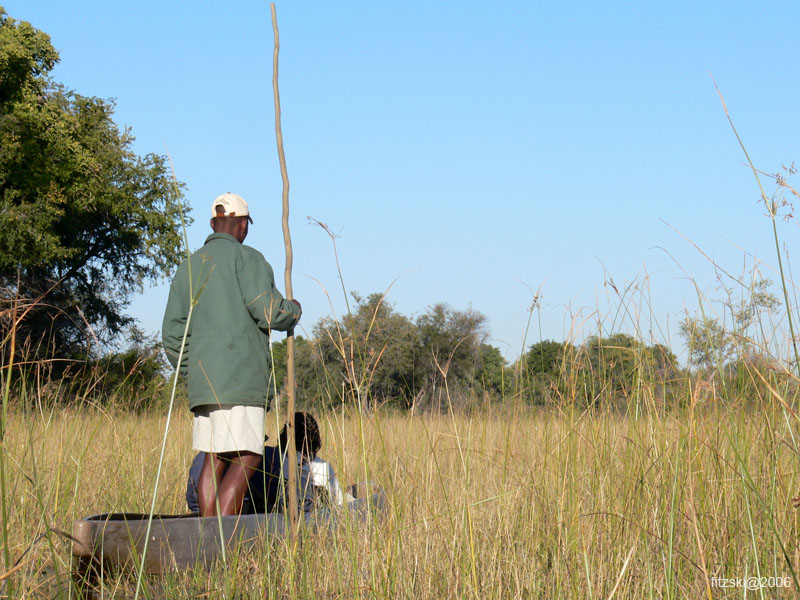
{"x":506,"y":503}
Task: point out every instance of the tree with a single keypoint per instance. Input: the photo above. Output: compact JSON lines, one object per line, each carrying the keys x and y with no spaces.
{"x":546,"y":364}
{"x":450,"y":351}
{"x":307,"y":378}
{"x":368,"y":355}
{"x":713,"y":344}
{"x":491,"y":371}
{"x":133,"y":378}
{"x":84,"y":221}
{"x":376,"y":355}
{"x":707,"y":340}
{"x":546,"y":358}
{"x":621,"y":366}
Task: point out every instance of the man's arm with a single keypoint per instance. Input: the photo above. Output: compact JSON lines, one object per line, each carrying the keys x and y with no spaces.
{"x":172,"y":330}
{"x":263,"y":300}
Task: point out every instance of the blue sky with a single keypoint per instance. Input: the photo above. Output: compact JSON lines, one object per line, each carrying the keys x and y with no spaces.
{"x":470,"y":151}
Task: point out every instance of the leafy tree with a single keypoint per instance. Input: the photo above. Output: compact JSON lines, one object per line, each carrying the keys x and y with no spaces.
{"x":545,"y":358}
{"x":755,"y":378}
{"x":84,"y":221}
{"x":546,"y":364}
{"x":616,"y":367}
{"x":133,"y":378}
{"x":708,"y":341}
{"x":387,"y":354}
{"x":613,"y":361}
{"x":368,"y":355}
{"x":310,"y":378}
{"x":450,"y":350}
{"x":375,"y":355}
{"x":738,"y":351}
{"x":712,"y":344}
{"x":491,"y":372}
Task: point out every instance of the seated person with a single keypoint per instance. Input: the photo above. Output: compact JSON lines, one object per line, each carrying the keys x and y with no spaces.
{"x":317,"y":477}
{"x":317,"y":483}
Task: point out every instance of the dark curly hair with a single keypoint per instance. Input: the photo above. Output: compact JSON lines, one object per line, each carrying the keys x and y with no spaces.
{"x":307,"y":438}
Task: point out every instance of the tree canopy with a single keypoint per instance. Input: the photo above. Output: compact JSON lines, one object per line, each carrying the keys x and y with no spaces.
{"x":714,"y":343}
{"x":375,"y":355}
{"x":84,"y":220}
{"x":600,"y":370}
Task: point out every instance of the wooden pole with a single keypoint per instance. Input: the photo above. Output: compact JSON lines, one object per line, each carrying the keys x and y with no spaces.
{"x":294,"y":522}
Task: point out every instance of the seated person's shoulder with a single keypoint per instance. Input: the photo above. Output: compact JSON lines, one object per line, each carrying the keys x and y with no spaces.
{"x":321,"y":470}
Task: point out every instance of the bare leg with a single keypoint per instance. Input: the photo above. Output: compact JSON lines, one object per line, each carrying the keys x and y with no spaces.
{"x":234,"y":482}
{"x":209,"y":482}
{"x":227,"y":474}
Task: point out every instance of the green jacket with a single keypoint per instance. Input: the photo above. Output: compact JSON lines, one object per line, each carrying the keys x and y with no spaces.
{"x":236,"y":304}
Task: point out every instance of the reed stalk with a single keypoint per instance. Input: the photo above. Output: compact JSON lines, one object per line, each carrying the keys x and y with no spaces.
{"x":294,"y":521}
{"x":3,"y":424}
{"x":772,"y":210}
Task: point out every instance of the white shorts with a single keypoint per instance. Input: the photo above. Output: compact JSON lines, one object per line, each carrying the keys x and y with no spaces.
{"x":231,"y":429}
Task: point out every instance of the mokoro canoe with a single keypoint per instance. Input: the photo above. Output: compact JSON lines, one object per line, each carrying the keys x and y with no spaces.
{"x":115,"y":541}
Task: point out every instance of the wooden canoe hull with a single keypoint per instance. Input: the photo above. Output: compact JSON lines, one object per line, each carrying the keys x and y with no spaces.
{"x":116,"y":540}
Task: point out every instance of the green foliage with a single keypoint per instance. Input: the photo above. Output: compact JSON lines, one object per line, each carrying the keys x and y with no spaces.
{"x":376,"y":355}
{"x":25,"y":57}
{"x":543,"y":369}
{"x":708,"y":341}
{"x":610,"y":370}
{"x":546,"y":358}
{"x":133,"y":378}
{"x":613,"y":362}
{"x":450,"y":347}
{"x":619,"y":367}
{"x":368,"y":355}
{"x":305,"y":368}
{"x":736,"y":353}
{"x":84,"y":220}
{"x":491,"y":373}
{"x":713,"y":345}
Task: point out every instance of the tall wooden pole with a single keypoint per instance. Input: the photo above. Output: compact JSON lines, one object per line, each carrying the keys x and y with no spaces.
{"x":287,"y":277}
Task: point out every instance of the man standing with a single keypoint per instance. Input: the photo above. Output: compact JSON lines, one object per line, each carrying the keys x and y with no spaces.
{"x":225,"y":357}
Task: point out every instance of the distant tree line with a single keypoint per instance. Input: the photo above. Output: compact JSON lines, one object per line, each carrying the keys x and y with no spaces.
{"x":614,"y":370}
{"x":441,"y":358}
{"x":375,"y":355}
{"x":437,"y":361}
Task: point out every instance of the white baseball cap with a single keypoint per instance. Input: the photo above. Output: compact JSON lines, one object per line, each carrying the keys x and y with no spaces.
{"x":232,"y":205}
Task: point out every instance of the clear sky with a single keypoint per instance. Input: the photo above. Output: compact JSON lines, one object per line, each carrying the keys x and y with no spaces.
{"x":471,"y":151}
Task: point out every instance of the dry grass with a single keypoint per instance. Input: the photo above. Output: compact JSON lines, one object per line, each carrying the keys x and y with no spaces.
{"x":507,"y":504}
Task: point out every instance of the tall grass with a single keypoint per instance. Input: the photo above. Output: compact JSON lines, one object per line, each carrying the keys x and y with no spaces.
{"x":557,"y":515}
